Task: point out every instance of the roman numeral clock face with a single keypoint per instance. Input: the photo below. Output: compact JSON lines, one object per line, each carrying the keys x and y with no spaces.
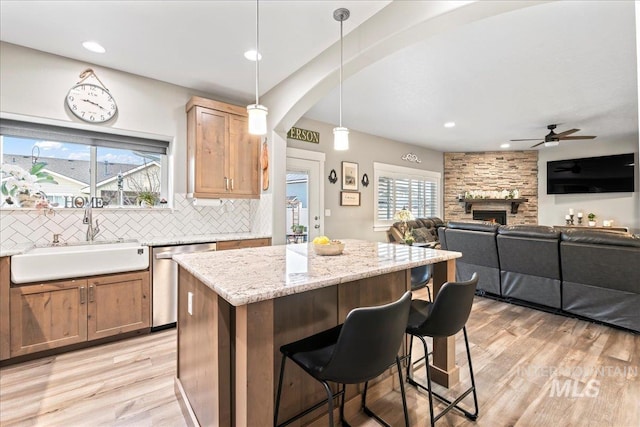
{"x":91,"y":103}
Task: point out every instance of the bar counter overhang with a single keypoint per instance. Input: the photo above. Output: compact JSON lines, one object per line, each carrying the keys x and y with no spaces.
{"x":236,"y":308}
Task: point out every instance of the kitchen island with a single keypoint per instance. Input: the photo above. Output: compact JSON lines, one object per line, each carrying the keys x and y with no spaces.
{"x":236,"y":308}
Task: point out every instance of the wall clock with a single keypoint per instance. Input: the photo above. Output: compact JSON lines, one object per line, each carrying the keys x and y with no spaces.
{"x":90,"y":102}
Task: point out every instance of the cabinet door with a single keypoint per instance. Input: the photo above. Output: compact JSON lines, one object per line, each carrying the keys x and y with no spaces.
{"x":209,"y":153}
{"x":118,"y":303}
{"x":47,"y":316}
{"x":244,"y":159}
{"x":5,"y":332}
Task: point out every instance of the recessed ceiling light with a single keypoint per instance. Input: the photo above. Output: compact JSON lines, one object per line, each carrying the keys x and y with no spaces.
{"x":505,"y":145}
{"x":450,"y":124}
{"x":93,"y":46}
{"x":251,"y":55}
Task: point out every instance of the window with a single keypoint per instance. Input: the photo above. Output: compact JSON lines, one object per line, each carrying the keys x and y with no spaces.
{"x":398,"y":187}
{"x":122,"y":170}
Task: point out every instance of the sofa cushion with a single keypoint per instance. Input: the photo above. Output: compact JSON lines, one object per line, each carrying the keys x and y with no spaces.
{"x":535,"y":231}
{"x":473,"y":226}
{"x":600,"y":237}
{"x":423,"y":234}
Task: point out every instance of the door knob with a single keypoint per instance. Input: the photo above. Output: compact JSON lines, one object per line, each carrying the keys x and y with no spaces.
{"x":316,"y":226}
{"x":316,"y":217}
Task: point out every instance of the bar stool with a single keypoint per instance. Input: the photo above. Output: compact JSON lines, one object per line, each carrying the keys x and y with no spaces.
{"x":357,"y":351}
{"x":420,"y":277}
{"x":444,"y":317}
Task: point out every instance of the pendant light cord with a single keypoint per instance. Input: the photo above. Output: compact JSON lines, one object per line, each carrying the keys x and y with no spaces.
{"x":257,"y":50}
{"x":341,"y":73}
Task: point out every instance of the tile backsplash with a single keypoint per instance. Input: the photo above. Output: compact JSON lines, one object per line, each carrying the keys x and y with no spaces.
{"x":233,"y":216}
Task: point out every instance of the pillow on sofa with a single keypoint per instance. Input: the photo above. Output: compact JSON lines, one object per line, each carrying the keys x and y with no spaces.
{"x":423,"y":235}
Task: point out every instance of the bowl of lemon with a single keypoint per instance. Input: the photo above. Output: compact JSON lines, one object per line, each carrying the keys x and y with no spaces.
{"x":322,"y":245}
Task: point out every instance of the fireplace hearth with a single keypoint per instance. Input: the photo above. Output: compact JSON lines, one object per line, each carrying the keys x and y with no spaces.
{"x":499,"y":217}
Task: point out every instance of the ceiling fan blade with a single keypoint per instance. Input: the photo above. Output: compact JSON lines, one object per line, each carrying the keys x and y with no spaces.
{"x":530,"y":139}
{"x":564,"y":138}
{"x":539,"y":143}
{"x":565,"y":133}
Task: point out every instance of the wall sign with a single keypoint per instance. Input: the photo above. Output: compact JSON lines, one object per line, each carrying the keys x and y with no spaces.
{"x":304,"y":135}
{"x":410,"y":157}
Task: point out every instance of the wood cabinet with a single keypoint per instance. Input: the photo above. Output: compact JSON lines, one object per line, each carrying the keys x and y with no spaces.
{"x":117,"y":304}
{"x":5,"y":330}
{"x":223,"y":159}
{"x":239,"y":244}
{"x":48,"y":315}
{"x":55,"y":314}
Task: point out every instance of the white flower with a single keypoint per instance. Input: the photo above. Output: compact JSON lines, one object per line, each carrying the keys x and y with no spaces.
{"x":403,"y":215}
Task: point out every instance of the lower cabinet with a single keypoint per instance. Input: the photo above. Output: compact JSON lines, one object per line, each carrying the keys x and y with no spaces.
{"x":55,"y":314}
{"x":118,"y":304}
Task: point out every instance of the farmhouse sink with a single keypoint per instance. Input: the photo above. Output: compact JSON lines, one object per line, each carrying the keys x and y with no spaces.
{"x":78,"y":260}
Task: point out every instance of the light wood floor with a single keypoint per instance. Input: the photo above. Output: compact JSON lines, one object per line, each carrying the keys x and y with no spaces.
{"x":521,"y":357}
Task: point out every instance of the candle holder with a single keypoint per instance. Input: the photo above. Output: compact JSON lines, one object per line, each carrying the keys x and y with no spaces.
{"x":568,"y":221}
{"x":571,"y":220}
{"x":579,"y":220}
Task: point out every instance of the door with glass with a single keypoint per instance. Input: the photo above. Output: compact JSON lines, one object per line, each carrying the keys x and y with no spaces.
{"x":303,"y":214}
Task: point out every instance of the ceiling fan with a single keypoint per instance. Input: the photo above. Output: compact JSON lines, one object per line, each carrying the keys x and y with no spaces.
{"x":552,"y":139}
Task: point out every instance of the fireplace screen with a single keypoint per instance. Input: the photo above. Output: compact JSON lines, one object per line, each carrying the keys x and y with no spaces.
{"x":499,"y":217}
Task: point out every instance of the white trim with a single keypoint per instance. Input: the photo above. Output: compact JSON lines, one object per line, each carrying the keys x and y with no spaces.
{"x":298,"y":153}
{"x":404,"y":172}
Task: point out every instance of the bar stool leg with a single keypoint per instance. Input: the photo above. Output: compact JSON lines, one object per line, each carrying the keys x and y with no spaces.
{"x":275,"y":416}
{"x":329,"y":401}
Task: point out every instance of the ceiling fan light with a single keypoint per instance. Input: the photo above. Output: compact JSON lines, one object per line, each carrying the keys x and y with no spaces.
{"x":257,"y":119}
{"x":340,"y":139}
{"x":552,"y":143}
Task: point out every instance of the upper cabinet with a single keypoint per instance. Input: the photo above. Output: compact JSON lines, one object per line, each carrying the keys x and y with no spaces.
{"x":223,"y":159}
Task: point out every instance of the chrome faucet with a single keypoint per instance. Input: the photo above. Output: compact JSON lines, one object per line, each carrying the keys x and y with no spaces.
{"x":92,"y":231}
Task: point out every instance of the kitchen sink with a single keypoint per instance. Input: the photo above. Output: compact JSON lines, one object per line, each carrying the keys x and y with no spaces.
{"x":78,"y":260}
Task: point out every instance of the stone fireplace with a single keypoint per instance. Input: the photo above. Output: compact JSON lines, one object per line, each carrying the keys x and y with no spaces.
{"x":489,"y":172}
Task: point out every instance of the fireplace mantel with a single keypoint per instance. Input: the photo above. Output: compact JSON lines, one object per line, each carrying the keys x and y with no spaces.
{"x":515,"y":203}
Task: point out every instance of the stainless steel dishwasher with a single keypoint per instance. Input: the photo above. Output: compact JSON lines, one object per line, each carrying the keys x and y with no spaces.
{"x":164,"y":280}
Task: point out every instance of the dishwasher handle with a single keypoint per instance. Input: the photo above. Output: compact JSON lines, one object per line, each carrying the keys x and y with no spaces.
{"x":169,"y":254}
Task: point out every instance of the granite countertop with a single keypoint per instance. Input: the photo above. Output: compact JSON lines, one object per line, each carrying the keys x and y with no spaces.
{"x":154,"y":241}
{"x":256,"y":274}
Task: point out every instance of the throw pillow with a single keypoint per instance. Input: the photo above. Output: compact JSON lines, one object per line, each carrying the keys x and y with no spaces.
{"x":422,"y":235}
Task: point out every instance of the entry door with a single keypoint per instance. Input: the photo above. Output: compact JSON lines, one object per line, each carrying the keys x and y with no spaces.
{"x":304,"y":205}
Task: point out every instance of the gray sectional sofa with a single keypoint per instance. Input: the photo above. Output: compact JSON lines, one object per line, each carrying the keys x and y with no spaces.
{"x":588,"y":273}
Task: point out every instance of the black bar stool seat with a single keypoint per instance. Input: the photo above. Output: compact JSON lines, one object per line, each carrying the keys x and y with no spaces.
{"x":355,"y":352}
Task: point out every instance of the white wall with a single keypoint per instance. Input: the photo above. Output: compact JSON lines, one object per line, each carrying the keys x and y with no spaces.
{"x":35,"y":84}
{"x":364,"y":149}
{"x":622,"y":208}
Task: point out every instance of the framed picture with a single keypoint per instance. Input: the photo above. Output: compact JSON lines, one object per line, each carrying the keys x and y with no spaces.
{"x":349,"y":198}
{"x":350,"y":176}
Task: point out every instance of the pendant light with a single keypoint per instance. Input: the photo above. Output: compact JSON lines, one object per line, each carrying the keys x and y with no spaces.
{"x":341,"y":134}
{"x":257,"y":113}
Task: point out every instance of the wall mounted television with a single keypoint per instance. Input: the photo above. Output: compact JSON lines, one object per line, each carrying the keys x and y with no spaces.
{"x":605,"y":174}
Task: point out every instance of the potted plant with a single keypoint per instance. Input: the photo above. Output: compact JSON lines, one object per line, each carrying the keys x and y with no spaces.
{"x":592,"y":219}
{"x":146,"y":199}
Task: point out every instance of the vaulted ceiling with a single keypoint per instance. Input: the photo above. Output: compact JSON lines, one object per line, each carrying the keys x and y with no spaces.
{"x":503,"y":77}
